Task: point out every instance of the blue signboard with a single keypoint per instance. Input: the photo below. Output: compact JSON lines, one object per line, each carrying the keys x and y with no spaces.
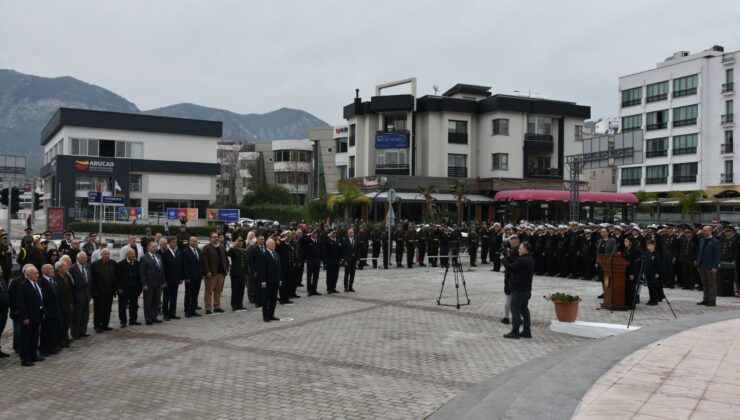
{"x":113,"y":201}
{"x":391,"y":140}
{"x":172,"y":214}
{"x":228,"y":215}
{"x":93,"y":196}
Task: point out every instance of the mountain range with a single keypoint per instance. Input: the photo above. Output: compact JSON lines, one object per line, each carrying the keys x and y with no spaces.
{"x":27,"y":102}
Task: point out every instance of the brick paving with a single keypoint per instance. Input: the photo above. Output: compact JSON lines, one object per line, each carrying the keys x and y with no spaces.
{"x":387,"y":351}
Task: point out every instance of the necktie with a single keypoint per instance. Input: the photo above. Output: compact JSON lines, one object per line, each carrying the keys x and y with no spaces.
{"x":352,"y":242}
{"x":156,"y":261}
{"x":273,"y":255}
{"x":38,"y":291}
{"x":84,"y":274}
{"x":195,"y":253}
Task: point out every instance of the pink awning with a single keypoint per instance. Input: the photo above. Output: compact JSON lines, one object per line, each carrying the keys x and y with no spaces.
{"x":560,"y":195}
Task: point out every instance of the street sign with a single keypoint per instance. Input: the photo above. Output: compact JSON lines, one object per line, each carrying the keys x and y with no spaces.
{"x":93,"y":196}
{"x":390,"y":217}
{"x":392,"y":196}
{"x":113,"y":201}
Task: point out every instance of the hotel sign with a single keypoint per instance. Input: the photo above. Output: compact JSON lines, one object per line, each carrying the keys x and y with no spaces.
{"x":391,"y":140}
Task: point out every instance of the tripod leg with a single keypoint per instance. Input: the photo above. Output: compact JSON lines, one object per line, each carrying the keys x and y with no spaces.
{"x":439,"y":301}
{"x":465,"y":288}
{"x":457,"y":285}
{"x":669,"y":306}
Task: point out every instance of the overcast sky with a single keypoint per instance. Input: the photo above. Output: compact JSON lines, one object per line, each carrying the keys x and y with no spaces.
{"x":258,"y":56}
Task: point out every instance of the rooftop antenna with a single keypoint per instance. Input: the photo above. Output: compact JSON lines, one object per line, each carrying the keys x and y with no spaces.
{"x":357,"y":93}
{"x":436,"y":88}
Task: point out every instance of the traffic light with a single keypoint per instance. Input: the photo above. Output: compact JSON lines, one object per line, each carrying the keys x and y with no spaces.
{"x":37,"y":203}
{"x":4,"y":197}
{"x":15,"y":195}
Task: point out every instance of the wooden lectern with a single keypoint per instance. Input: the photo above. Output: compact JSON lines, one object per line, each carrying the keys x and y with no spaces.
{"x":614,"y":282}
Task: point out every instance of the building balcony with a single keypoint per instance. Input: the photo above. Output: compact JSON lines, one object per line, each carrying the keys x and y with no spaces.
{"x":656,"y":98}
{"x":684,"y":92}
{"x":630,"y":182}
{"x":728,"y":59}
{"x":727,"y":148}
{"x":684,"y":151}
{"x":656,"y":153}
{"x":684,"y":178}
{"x":292,"y":167}
{"x":295,"y":188}
{"x":657,"y":126}
{"x":728,"y":87}
{"x":682,"y":123}
{"x":728,"y":119}
{"x":540,"y":142}
{"x":628,"y":129}
{"x":457,"y":138}
{"x":656,"y":180}
{"x":390,"y":169}
{"x":631,"y":102}
{"x":548,"y":173}
{"x":726,"y":179}
{"x":457,"y":171}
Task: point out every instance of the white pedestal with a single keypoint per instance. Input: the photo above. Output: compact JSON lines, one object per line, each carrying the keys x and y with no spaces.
{"x":591,"y":329}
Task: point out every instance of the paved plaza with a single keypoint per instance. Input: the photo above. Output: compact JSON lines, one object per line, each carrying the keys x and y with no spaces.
{"x":387,"y":351}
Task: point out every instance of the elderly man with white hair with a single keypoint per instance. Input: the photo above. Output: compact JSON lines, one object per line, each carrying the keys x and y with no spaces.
{"x":29,"y":303}
{"x":81,"y":276}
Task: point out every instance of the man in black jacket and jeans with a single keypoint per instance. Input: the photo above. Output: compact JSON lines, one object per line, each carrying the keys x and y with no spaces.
{"x":522,"y":271}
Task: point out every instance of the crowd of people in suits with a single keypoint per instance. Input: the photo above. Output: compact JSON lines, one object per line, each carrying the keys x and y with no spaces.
{"x":49,"y":300}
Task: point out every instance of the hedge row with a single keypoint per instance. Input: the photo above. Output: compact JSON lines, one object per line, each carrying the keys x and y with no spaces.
{"x":83,"y":228}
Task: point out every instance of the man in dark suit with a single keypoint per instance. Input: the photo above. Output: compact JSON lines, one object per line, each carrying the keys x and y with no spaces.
{"x":708,"y":261}
{"x":80,"y":273}
{"x":64,"y":281}
{"x":4,"y":306}
{"x":256,"y":264}
{"x":103,"y":288}
{"x":312,"y":253}
{"x":128,"y":287}
{"x":192,"y":267}
{"x":522,"y":272}
{"x":173,"y":275}
{"x":152,"y":279}
{"x":332,"y":259}
{"x":29,"y":303}
{"x":349,"y":260}
{"x":269,"y":278}
{"x":51,"y":324}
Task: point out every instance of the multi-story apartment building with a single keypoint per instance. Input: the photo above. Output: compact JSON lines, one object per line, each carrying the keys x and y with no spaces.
{"x":289,"y":163}
{"x":330,"y":157}
{"x":686,"y":108}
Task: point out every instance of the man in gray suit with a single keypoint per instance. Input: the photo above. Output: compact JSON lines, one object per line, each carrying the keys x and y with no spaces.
{"x":81,"y":295}
{"x":606,"y":245}
{"x":152,"y":279}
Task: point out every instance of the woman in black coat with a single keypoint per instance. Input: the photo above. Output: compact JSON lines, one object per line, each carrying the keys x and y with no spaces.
{"x":632,"y":255}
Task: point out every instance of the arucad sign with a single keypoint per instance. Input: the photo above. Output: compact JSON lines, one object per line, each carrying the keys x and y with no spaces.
{"x":95,"y":165}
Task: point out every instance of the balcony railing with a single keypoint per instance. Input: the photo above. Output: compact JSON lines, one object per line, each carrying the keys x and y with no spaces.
{"x":537,"y":137}
{"x":656,"y":98}
{"x":628,"y":129}
{"x":728,"y":87}
{"x":684,"y":178}
{"x":457,"y":171}
{"x":656,"y":153}
{"x":392,"y":169}
{"x":543,"y":172}
{"x":684,"y":92}
{"x":681,"y":123}
{"x":627,"y":182}
{"x":656,"y":180}
{"x":457,"y":138}
{"x":728,"y":59}
{"x":728,"y":118}
{"x":631,"y":102}
{"x":684,"y":151}
{"x":726,"y":178}
{"x":657,"y":126}
{"x":134,"y":187}
{"x":727,"y":148}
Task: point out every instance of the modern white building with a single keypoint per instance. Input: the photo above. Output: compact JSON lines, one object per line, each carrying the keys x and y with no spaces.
{"x":289,"y":163}
{"x":151,"y":162}
{"x":686,"y":108}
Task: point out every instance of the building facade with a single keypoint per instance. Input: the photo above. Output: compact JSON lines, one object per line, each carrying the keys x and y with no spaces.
{"x":330,"y":157}
{"x":289,"y":163}
{"x":685,"y":106}
{"x":151,"y":162}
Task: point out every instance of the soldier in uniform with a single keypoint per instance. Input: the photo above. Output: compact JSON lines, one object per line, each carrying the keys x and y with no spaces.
{"x":385,"y":243}
{"x":30,"y":254}
{"x":398,"y":238}
{"x":376,"y":239}
{"x":497,"y":242}
{"x":485,"y":240}
{"x":433,"y":246}
{"x":182,"y":238}
{"x":6,"y":258}
{"x":726,"y":275}
{"x":445,"y":237}
{"x":363,"y":245}
{"x":686,"y":255}
{"x":66,"y":243}
{"x":573,"y":252}
{"x":586,"y":255}
{"x":422,"y":241}
{"x":473,"y":245}
{"x":410,"y":242}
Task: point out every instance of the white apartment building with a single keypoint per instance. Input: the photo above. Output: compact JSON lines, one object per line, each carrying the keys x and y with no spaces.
{"x":289,"y":163}
{"x":686,"y":108}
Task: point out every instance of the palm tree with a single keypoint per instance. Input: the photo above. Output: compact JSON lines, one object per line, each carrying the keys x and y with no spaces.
{"x":642,"y":198}
{"x":459,"y":188}
{"x":687,"y":201}
{"x":426,"y":190}
{"x":348,"y":196}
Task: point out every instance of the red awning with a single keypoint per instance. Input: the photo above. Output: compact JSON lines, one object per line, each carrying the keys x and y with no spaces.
{"x":561,"y":195}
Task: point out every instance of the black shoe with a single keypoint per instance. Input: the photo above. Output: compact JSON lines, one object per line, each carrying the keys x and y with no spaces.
{"x":195,"y":314}
{"x":157,"y":321}
{"x":317,"y":294}
{"x":187,"y":315}
{"x":134,"y":323}
{"x":149,"y":323}
{"x":27,"y":363}
{"x":43,"y":355}
{"x":266,"y":319}
{"x":98,"y":330}
{"x":295,"y":296}
{"x":123,"y":326}
{"x":3,"y":355}
{"x":274,"y":319}
{"x":473,"y":265}
{"x":330,"y":292}
{"x":219,"y":310}
{"x":301,"y":285}
{"x":198,"y":308}
{"x":175,"y":317}
{"x":208,"y":312}
{"x":166,"y":318}
{"x":39,"y":359}
{"x":711,"y":304}
{"x":346,"y":290}
{"x":84,"y":335}
{"x":703,"y":302}
{"x":107,"y":329}
{"x":505,"y":320}
{"x":512,"y":335}
{"x":352,"y":290}
{"x":601,"y":296}
{"x":526,"y":334}
{"x":651,"y":303}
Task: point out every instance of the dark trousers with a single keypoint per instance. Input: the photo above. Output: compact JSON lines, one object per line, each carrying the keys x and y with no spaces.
{"x":238,"y":283}
{"x":483,"y":253}
{"x":575,"y":269}
{"x":332,"y":275}
{"x":192,"y":290}
{"x":151,"y":304}
{"x":249,"y":280}
{"x":349,"y":275}
{"x":422,"y":254}
{"x":520,"y":311}
{"x":129,"y":300}
{"x":473,"y":255}
{"x":284,"y":288}
{"x":80,"y":317}
{"x":655,"y":289}
{"x":169,"y":300}
{"x":17,"y":335}
{"x":268,"y":298}
{"x":410,"y":256}
{"x":399,"y":254}
{"x":3,"y":319}
{"x":496,"y":263}
{"x":312,"y":277}
{"x":726,"y":282}
{"x":49,"y":334}
{"x":29,"y":341}
{"x":64,"y":327}
{"x":376,"y":254}
{"x":295,"y":279}
{"x":102,"y":305}
{"x":386,"y":256}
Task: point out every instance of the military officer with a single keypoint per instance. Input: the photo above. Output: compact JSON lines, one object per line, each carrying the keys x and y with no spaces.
{"x":485,"y":240}
{"x":375,"y":240}
{"x":473,"y":244}
{"x":410,"y":242}
{"x":422,"y":241}
{"x":398,"y":238}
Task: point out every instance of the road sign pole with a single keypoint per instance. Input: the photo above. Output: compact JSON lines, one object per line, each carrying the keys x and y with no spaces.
{"x":10,"y":206}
